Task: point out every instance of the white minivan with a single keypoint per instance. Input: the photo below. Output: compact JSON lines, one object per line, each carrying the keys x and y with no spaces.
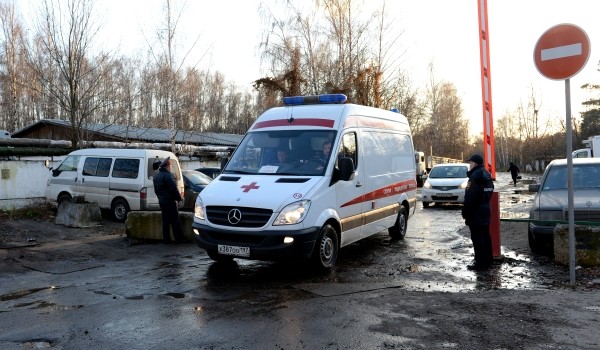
{"x":116,"y":179}
{"x":307,"y":179}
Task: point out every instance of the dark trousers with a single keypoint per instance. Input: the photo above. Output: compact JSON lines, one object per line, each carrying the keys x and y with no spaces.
{"x":170,"y":218}
{"x":482,"y":244}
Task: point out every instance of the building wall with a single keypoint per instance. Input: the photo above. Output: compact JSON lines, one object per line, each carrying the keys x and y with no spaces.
{"x":23,"y":182}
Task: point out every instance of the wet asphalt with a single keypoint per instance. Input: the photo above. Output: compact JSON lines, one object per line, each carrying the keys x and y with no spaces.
{"x":146,"y":296}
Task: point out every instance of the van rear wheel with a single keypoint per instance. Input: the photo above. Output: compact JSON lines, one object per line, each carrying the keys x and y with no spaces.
{"x":119,"y":210}
{"x":398,"y":231}
{"x":326,"y":249}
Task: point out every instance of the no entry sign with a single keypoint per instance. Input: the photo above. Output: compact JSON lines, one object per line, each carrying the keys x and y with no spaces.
{"x":562,"y":51}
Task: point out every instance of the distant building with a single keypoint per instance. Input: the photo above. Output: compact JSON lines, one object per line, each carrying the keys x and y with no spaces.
{"x":192,"y":143}
{"x":55,"y":129}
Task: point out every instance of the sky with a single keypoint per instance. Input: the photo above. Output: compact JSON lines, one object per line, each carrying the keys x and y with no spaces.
{"x":442,"y":32}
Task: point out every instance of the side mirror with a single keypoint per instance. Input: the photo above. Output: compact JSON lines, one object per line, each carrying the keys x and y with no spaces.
{"x":224,"y":161}
{"x":346,"y":166}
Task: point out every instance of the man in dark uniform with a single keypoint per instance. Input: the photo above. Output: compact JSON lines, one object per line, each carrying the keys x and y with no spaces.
{"x":476,"y":212}
{"x":169,"y":198}
{"x":514,"y":172}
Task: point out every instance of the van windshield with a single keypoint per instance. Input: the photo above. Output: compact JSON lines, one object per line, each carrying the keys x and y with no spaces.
{"x":283,"y":152}
{"x":584,"y":176}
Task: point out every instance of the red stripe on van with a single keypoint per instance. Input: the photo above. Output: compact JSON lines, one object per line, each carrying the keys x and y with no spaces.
{"x":387,"y":191}
{"x":326,"y":123}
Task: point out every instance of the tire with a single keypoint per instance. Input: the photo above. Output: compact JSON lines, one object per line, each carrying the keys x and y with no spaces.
{"x":326,"y":249}
{"x":425,"y":204}
{"x":63,"y":197}
{"x":119,"y":210}
{"x":398,"y":231}
{"x":534,"y":245}
{"x":219,"y":257}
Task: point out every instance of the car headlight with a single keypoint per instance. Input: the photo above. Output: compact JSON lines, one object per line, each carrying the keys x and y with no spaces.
{"x":426,"y":184}
{"x":293,"y":213}
{"x":199,"y":209}
{"x":463,"y":185}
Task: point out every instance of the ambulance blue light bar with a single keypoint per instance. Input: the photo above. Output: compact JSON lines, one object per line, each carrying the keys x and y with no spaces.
{"x":314,"y":99}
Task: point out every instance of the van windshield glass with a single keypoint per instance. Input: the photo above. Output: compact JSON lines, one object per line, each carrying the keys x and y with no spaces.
{"x":69,"y":164}
{"x":283,"y":152}
{"x":584,"y":176}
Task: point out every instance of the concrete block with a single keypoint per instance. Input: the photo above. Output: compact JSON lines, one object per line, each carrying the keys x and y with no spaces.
{"x":148,"y":225}
{"x":587,"y":245}
{"x":74,"y":214}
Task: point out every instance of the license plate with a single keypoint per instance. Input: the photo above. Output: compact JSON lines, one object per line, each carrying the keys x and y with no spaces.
{"x":444,"y":194}
{"x":233,"y":250}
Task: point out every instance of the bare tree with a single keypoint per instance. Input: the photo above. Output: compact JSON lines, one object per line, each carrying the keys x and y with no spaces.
{"x":447,"y":130}
{"x":67,"y":75}
{"x":330,"y":50}
{"x":12,"y":77}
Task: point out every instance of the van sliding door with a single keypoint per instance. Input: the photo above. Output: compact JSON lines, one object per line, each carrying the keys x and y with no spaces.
{"x":94,"y":180}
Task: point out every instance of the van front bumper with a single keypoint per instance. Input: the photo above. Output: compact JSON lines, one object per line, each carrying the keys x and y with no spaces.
{"x":264,"y":245}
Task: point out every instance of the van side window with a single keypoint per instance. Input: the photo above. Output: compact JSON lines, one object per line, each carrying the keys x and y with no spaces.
{"x":94,"y":166}
{"x":126,"y":168}
{"x":69,"y":164}
{"x":348,"y":148}
{"x":397,"y":147}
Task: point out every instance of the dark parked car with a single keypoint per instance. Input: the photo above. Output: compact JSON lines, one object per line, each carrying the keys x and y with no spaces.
{"x":194,"y":182}
{"x":212,"y":172}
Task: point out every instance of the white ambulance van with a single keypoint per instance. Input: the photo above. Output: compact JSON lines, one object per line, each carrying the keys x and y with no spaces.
{"x":309,"y":203}
{"x":116,"y":179}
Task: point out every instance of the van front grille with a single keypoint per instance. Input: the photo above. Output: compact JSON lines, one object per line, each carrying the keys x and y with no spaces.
{"x":248,"y":217}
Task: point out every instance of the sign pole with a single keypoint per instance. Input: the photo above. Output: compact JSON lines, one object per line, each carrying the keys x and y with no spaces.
{"x":560,"y":53}
{"x":570,"y":198}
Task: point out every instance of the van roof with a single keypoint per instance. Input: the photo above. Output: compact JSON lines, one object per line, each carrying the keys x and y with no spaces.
{"x":327,"y":116}
{"x":126,"y":152}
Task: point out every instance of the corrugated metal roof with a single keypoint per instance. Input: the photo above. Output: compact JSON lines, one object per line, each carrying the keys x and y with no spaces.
{"x":133,"y":133}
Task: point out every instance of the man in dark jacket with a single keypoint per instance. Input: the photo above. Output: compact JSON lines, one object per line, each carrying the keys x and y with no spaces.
{"x":476,"y":212}
{"x":169,"y":198}
{"x":514,"y":172}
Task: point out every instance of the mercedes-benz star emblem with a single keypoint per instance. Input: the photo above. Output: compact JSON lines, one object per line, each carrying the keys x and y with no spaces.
{"x":234,"y":216}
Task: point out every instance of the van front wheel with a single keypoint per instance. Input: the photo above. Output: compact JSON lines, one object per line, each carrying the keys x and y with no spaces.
{"x":398,"y":231}
{"x":119,"y":210}
{"x":63,"y":197}
{"x":326,"y":249}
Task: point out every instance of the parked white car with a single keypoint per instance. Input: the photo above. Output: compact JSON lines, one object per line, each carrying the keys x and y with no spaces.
{"x":445,"y":183}
{"x":550,"y":204}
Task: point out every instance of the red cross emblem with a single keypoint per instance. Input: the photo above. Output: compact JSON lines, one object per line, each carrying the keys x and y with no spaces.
{"x":252,"y":186}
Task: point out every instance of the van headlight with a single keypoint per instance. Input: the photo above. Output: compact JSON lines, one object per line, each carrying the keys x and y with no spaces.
{"x":426,"y":184}
{"x":293,"y":213}
{"x":463,"y":185}
{"x":199,"y":209}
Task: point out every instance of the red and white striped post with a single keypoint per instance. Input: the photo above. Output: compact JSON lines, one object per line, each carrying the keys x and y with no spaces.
{"x":489,"y":156}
